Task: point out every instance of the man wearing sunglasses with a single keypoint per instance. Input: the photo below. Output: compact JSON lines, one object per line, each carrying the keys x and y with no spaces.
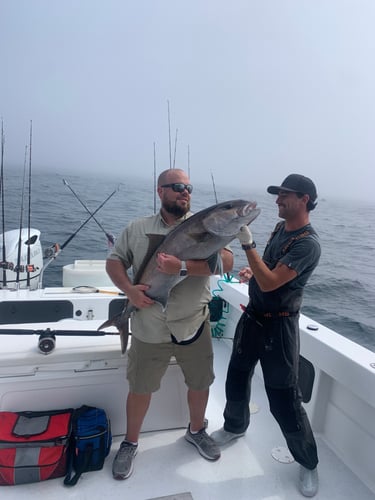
{"x":155,"y":332}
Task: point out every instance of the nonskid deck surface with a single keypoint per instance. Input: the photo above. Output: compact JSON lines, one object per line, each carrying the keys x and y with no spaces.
{"x":168,"y":466}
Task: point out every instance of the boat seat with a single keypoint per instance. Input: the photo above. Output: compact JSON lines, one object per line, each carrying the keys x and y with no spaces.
{"x":33,"y":311}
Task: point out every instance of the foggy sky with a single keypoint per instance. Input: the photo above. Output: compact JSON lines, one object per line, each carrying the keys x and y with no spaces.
{"x":257,"y":89}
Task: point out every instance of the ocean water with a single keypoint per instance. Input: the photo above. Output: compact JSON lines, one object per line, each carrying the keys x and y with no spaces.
{"x":340,"y":293}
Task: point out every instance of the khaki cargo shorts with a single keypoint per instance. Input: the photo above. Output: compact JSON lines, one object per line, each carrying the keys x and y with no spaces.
{"x":147,"y":363}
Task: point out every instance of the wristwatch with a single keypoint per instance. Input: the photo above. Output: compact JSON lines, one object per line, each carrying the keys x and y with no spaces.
{"x":183,"y":270}
{"x":249,"y":246}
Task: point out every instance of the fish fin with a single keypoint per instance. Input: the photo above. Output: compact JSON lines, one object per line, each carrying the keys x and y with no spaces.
{"x":215,"y":263}
{"x":114,"y":321}
{"x":154,"y":241}
{"x":124,"y":332}
{"x":124,"y":337}
{"x":199,"y":236}
{"x":121,"y":322}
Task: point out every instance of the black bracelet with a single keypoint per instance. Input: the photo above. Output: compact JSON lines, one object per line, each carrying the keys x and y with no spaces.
{"x":249,"y":246}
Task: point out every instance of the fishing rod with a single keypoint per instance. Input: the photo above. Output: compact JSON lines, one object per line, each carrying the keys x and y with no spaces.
{"x":47,"y":337}
{"x":188,"y":160}
{"x":216,"y":201}
{"x":29,"y":212}
{"x":169,"y":129}
{"x":56,"y":249}
{"x":18,"y":266}
{"x":2,"y":202}
{"x":154,"y":179}
{"x":213,"y":184}
{"x":110,"y":237}
{"x":175,"y":147}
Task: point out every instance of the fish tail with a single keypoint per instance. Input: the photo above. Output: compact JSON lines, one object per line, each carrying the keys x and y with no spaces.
{"x":124,"y":337}
{"x":110,"y":322}
{"x":121,"y":322}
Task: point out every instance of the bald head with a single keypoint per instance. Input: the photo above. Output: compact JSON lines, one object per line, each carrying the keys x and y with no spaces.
{"x":172,"y":175}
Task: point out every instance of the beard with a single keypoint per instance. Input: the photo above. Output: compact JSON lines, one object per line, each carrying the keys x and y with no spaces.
{"x":176,"y":210}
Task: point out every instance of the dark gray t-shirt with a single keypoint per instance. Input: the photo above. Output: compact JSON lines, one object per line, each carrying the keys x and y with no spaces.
{"x":299,"y":250}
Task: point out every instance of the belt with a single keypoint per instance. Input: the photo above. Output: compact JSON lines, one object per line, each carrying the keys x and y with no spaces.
{"x":280,"y":314}
{"x":269,"y":315}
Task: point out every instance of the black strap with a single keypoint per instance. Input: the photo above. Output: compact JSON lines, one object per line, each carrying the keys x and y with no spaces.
{"x":72,"y":481}
{"x":298,"y":236}
{"x":277,"y":227}
{"x":189,"y":341}
{"x":304,"y":233}
{"x":69,"y":480}
{"x":69,"y":464}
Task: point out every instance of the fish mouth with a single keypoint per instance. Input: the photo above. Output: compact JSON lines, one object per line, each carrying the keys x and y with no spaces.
{"x":246,"y":209}
{"x":249,"y":211}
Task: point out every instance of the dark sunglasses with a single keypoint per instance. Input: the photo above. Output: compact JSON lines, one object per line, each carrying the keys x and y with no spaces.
{"x":179,"y":187}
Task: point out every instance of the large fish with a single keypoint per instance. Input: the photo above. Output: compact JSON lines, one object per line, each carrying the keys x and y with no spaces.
{"x":199,"y":237}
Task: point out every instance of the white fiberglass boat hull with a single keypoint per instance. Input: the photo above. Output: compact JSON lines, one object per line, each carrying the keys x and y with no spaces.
{"x":91,"y":370}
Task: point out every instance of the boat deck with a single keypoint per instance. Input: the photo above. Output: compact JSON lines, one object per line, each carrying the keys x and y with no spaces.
{"x":168,"y":466}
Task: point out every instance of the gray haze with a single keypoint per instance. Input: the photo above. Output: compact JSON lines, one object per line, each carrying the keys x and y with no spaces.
{"x":257,"y":88}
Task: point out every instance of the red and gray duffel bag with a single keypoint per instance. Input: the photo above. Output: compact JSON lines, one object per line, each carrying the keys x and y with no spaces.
{"x":33,"y":445}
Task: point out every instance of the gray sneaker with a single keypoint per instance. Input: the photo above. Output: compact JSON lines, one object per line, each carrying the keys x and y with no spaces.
{"x":308,"y":481}
{"x":222,"y":437}
{"x":122,"y":465}
{"x":205,"y":445}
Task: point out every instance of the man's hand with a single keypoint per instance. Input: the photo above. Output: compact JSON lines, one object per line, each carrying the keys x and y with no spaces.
{"x":138,"y":298}
{"x":245,"y":274}
{"x":168,"y":264}
{"x":245,"y":236}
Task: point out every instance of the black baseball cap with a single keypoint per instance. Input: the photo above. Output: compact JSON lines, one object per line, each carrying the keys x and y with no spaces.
{"x":296,"y":183}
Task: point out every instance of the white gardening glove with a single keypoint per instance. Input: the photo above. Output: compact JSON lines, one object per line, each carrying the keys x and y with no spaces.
{"x":245,"y":236}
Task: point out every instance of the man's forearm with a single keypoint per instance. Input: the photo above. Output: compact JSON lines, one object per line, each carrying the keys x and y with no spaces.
{"x":267,"y":279}
{"x":116,"y":271}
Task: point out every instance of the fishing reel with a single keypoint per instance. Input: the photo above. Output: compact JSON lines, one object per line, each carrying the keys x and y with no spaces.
{"x":6,"y":265}
{"x":47,"y":341}
{"x":52,"y":251}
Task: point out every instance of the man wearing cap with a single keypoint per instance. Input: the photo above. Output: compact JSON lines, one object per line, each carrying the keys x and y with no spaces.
{"x":268,"y":330}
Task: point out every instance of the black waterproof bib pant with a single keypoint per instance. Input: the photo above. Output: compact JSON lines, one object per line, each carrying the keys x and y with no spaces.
{"x":275,"y":343}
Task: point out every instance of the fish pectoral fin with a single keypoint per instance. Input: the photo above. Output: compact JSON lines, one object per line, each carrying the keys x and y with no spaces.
{"x":154,"y":241}
{"x":199,"y":236}
{"x":215,"y":263}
